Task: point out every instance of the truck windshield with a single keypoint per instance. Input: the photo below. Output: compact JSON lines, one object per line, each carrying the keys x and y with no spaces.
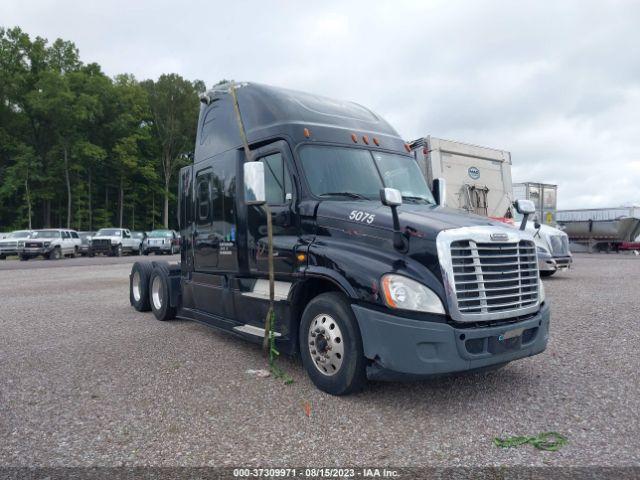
{"x":46,"y":234}
{"x":358,"y":173}
{"x":161,"y":234}
{"x":108,"y":232}
{"x":19,"y":234}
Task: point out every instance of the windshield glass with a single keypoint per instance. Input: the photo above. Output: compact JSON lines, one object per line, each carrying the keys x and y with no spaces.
{"x":161,"y":234}
{"x":19,"y":234}
{"x":357,"y":173}
{"x":108,"y":232}
{"x":46,"y":234}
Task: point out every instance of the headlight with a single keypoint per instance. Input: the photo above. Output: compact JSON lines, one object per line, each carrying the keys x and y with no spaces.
{"x":543,"y":295}
{"x":20,"y":244}
{"x":114,"y":241}
{"x":406,"y":294}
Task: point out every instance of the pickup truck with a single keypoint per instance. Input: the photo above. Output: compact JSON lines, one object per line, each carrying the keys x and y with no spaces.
{"x":13,"y":243}
{"x":114,"y":242}
{"x":52,"y":244}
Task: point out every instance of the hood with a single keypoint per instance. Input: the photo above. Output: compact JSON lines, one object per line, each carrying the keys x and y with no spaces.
{"x":426,"y":220}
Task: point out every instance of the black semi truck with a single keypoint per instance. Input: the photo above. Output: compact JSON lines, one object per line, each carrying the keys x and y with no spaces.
{"x":373,"y":278}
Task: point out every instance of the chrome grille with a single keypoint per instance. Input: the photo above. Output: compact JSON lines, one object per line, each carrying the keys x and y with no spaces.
{"x":102,"y":243}
{"x":493,"y":277}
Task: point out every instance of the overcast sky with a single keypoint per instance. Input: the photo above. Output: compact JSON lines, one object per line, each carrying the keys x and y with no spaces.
{"x":557,"y":83}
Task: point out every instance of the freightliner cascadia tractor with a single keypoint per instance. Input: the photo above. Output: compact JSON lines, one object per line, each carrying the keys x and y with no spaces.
{"x":372,"y":278}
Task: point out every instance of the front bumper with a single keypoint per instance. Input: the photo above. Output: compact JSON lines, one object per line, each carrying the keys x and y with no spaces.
{"x":158,"y":248}
{"x":35,"y":251}
{"x":10,"y":250}
{"x":550,"y":263}
{"x":402,"y":348}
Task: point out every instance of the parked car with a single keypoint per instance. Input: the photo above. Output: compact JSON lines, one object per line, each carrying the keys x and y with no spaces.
{"x":114,"y":242}
{"x":13,"y":243}
{"x":85,"y":238}
{"x":161,"y":242}
{"x":52,"y":244}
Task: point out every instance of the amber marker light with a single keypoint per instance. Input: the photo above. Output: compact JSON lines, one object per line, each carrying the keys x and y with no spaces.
{"x":365,"y":139}
{"x":407,"y":147}
{"x":301,"y":257}
{"x":376,"y":141}
{"x":306,"y":133}
{"x":386,"y":289}
{"x":354,"y":137}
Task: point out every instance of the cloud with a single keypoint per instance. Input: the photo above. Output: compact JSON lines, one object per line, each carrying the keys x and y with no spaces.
{"x":556,"y":83}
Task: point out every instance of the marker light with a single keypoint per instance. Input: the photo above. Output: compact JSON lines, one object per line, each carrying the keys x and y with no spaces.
{"x":306,"y":133}
{"x":407,"y":147}
{"x":365,"y":139}
{"x":376,"y":141}
{"x":354,"y":137}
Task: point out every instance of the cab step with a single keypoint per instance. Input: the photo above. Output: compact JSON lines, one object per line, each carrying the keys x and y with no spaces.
{"x":253,"y":330}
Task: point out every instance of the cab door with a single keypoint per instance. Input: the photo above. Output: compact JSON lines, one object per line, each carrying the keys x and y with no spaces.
{"x":280,"y":196}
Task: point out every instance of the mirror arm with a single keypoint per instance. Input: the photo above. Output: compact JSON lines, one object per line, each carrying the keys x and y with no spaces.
{"x":399,"y":242}
{"x":525,"y":219}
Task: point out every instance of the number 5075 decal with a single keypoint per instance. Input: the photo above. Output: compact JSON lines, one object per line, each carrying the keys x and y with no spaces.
{"x":360,"y":216}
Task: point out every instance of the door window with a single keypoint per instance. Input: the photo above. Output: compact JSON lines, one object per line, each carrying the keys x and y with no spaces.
{"x":277,"y":179}
{"x":65,"y":234}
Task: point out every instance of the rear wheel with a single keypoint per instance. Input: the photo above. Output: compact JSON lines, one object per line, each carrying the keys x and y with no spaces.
{"x":159,"y":294}
{"x":139,"y":286}
{"x":331,"y":346}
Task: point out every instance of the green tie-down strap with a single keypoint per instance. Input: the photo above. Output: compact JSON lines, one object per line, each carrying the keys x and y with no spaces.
{"x":549,"y":441}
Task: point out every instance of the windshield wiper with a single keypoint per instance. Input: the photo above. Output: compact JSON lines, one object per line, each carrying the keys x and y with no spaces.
{"x":345,"y":194}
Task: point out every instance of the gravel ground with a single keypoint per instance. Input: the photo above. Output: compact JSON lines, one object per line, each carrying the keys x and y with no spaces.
{"x":86,"y":380}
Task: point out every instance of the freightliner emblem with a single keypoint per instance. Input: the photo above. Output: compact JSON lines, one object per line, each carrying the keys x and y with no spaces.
{"x":499,"y":237}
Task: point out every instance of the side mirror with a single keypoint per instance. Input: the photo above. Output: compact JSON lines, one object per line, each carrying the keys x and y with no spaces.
{"x":391,"y":197}
{"x":526,"y":208}
{"x":440,"y":191}
{"x":254,"y":190}
{"x":536,"y":225}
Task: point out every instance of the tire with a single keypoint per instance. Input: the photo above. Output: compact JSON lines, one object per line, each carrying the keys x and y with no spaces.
{"x":75,"y":252}
{"x":328,"y":325}
{"x":547,"y":273}
{"x":24,"y":258}
{"x":55,"y":254}
{"x":117,"y":251}
{"x":145,"y":253}
{"x":139,"y":286}
{"x":159,"y":294}
{"x":3,"y":257}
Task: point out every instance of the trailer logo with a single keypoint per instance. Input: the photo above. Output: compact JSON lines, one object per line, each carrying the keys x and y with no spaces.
{"x":474,"y":172}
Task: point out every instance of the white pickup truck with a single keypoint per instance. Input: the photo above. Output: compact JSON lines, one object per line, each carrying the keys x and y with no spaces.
{"x":114,"y":242}
{"x":52,"y":244}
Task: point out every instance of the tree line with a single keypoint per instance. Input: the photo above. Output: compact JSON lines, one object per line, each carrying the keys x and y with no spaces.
{"x":82,"y":150}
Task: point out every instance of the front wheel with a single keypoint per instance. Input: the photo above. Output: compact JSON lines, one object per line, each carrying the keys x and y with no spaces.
{"x":117,"y":251}
{"x":331,"y":345}
{"x":55,"y":254}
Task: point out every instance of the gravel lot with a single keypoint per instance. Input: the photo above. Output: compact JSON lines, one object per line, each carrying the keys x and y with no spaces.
{"x":86,"y":380}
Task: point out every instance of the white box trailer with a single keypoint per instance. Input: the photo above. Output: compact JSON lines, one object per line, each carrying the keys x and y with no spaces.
{"x":543,"y":195}
{"x":478,"y":178}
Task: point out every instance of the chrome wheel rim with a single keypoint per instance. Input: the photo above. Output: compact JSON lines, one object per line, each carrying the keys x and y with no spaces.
{"x":326,"y":344}
{"x":156,"y":293}
{"x":135,"y":286}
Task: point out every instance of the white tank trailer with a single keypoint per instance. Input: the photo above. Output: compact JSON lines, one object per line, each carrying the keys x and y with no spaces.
{"x":601,"y":229}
